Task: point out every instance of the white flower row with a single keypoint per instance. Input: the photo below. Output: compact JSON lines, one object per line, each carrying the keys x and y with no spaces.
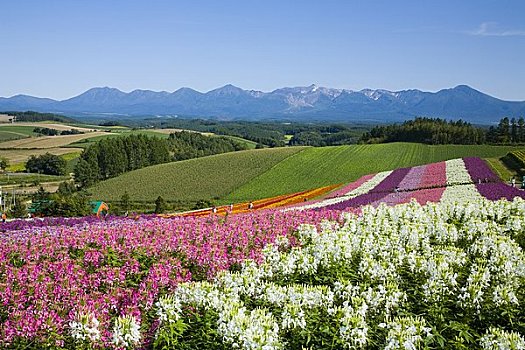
{"x":363,"y":189}
{"x":457,"y":172}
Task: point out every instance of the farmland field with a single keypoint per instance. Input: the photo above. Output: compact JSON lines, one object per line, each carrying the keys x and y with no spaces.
{"x":21,"y":130}
{"x":56,"y":126}
{"x":21,"y":155}
{"x":321,"y":166}
{"x":49,"y":141}
{"x":194,"y":179}
{"x":8,"y":135}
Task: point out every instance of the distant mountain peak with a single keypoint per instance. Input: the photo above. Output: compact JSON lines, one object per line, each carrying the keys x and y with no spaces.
{"x":228,"y":89}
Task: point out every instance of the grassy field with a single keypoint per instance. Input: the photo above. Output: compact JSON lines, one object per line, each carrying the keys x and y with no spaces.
{"x":321,"y":166}
{"x":500,"y":169}
{"x":48,"y":141}
{"x":249,"y":144}
{"x":29,"y":179}
{"x":256,"y":174}
{"x":56,"y":126}
{"x":194,"y":179}
{"x":8,"y":136}
{"x":22,"y":130}
{"x":21,"y":155}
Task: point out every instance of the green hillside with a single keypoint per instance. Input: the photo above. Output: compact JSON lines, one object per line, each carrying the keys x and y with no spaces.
{"x":255,"y":174}
{"x":194,"y":179}
{"x":320,"y":166}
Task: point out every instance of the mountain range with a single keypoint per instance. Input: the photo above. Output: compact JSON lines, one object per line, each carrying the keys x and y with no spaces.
{"x":311,"y":103}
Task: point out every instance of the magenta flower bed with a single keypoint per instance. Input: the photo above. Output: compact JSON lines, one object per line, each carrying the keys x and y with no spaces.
{"x":435,"y":175}
{"x":120,"y":267}
{"x":22,"y":224}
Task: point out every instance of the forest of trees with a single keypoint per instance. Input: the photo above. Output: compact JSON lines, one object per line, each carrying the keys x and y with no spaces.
{"x":507,"y":132}
{"x":114,"y":156}
{"x":271,"y":134}
{"x":30,"y":116}
{"x":187,"y":145}
{"x":433,"y":131}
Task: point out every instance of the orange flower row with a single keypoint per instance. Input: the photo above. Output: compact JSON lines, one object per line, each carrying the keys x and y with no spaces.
{"x":266,"y":203}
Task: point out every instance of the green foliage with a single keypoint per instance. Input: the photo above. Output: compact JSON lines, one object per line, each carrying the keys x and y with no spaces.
{"x":46,"y":164}
{"x":322,"y":166}
{"x":194,"y":179}
{"x":160,"y":205}
{"x":125,"y":202}
{"x":187,"y":145}
{"x":30,"y":116}
{"x":46,"y":131}
{"x":427,"y":130}
{"x":515,"y":160}
{"x":41,"y":195}
{"x":111,"y":157}
{"x":272,"y":134}
{"x":76,"y":204}
{"x":55,"y":132}
{"x":4,"y":163}
{"x":66,"y":188}
{"x":202,"y":203}
{"x":19,"y":210}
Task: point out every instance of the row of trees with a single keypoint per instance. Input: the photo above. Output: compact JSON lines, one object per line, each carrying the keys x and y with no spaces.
{"x":31,"y":116}
{"x":55,"y":132}
{"x":427,"y":130}
{"x":319,"y":139}
{"x":507,"y":131}
{"x":114,"y":156}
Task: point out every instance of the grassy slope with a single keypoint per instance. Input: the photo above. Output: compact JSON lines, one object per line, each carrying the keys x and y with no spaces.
{"x":194,"y":179}
{"x":315,"y":167}
{"x":10,"y":132}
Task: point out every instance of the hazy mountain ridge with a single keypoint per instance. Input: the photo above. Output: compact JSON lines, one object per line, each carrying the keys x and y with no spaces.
{"x":305,"y":103}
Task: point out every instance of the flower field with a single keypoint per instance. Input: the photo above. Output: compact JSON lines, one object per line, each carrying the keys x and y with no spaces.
{"x":369,"y":266}
{"x":53,"y":276}
{"x":445,"y":275}
{"x":464,"y":179}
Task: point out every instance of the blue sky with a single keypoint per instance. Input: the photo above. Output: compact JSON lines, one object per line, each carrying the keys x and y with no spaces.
{"x":61,"y":48}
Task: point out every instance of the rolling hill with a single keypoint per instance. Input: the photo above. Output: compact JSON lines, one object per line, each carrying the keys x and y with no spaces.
{"x":194,"y":179}
{"x":255,"y":174}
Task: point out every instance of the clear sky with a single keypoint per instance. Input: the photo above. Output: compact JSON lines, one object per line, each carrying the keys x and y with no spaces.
{"x":60,"y":48}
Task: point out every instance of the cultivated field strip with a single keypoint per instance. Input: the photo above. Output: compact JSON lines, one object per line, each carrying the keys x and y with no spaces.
{"x":49,"y":141}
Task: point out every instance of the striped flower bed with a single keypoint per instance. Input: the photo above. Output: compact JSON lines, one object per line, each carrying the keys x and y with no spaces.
{"x":456,"y":180}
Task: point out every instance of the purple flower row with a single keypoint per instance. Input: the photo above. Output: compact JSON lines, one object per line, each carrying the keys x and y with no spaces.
{"x":479,"y":171}
{"x":495,"y":191}
{"x":376,"y":194}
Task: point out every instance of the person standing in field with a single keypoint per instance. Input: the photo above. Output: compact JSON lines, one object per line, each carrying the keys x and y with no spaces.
{"x":4,"y":217}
